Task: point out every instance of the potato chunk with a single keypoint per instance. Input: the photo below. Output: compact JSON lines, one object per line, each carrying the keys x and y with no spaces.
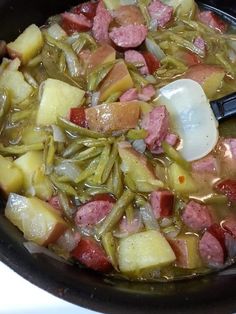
{"x":11,"y":179}
{"x":137,"y":168}
{"x":181,"y":180}
{"x":102,"y":54}
{"x":57,"y":99}
{"x":27,"y":45}
{"x":110,"y":117}
{"x":144,"y":251}
{"x":38,"y":221}
{"x":117,"y":80}
{"x":210,"y":77}
{"x":34,"y":181}
{"x":15,"y":84}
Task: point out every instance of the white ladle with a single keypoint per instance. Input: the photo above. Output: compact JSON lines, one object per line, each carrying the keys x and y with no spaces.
{"x":193,"y":117}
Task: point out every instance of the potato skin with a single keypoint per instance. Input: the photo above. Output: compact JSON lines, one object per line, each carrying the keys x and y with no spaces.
{"x":116,"y":116}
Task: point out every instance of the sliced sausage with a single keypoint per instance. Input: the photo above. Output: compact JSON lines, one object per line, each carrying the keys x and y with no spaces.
{"x":75,"y":23}
{"x":101,"y":24}
{"x":207,"y":164}
{"x":197,"y":216}
{"x":128,"y":14}
{"x":156,"y":123}
{"x":129,"y":95}
{"x":135,"y":57}
{"x":88,"y":9}
{"x":160,"y":12}
{"x":89,"y":253}
{"x":211,"y":250}
{"x":229,"y":224}
{"x":92,"y":212}
{"x":230,"y":243}
{"x":147,"y":93}
{"x":228,"y":188}
{"x":162,"y":203}
{"x":152,"y":62}
{"x":129,"y":36}
{"x":212,"y":20}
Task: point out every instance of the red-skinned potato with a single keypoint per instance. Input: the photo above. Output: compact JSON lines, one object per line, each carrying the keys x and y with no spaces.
{"x":102,"y":54}
{"x":117,"y":80}
{"x":107,"y":118}
{"x":210,"y":77}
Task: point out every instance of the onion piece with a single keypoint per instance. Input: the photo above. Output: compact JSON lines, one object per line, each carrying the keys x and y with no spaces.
{"x":154,"y":48}
{"x":68,"y":169}
{"x":139,"y":146}
{"x":58,"y":134}
{"x":56,"y":31}
{"x":95,"y":99}
{"x":69,"y":240}
{"x":34,"y":248}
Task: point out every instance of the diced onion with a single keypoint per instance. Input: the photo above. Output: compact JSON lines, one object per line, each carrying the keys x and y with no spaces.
{"x":34,"y":248}
{"x":166,"y":222}
{"x":95,"y":99}
{"x":69,"y":240}
{"x":139,"y":146}
{"x":68,"y":169}
{"x":58,"y":134}
{"x":154,"y":48}
{"x":56,"y":32}
{"x":14,"y":64}
{"x":232,"y":55}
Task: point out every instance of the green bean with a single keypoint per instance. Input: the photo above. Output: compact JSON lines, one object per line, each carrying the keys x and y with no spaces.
{"x":147,"y":214}
{"x":142,"y":4}
{"x":186,"y":44}
{"x":67,"y":125}
{"x":73,"y":64}
{"x":136,"y":134}
{"x":78,"y":45}
{"x":64,"y":202}
{"x":50,"y":60}
{"x":88,"y":171}
{"x":20,"y":149}
{"x":98,"y":190}
{"x":4,"y":105}
{"x":113,"y":97}
{"x":62,"y":62}
{"x":87,"y":154}
{"x":129,"y":182}
{"x":92,"y":142}
{"x":65,"y":188}
{"x":71,"y":149}
{"x":138,"y":79}
{"x":129,"y":212}
{"x":110,"y":246}
{"x":117,"y":180}
{"x":104,"y":158}
{"x":116,"y":213}
{"x":174,"y":155}
{"x":109,"y":183}
{"x":21,"y":115}
{"x":173,"y":61}
{"x":110,"y":163}
{"x":49,"y":154}
{"x":98,"y":74}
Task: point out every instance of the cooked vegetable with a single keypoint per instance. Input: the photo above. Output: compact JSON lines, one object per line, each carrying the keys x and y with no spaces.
{"x":110,"y":117}
{"x":27,"y":45}
{"x":140,"y":252}
{"x":38,"y":221}
{"x":118,"y":80}
{"x":56,"y":100}
{"x":11,"y":180}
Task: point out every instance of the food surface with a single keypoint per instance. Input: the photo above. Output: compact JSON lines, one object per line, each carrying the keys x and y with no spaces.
{"x":110,"y":155}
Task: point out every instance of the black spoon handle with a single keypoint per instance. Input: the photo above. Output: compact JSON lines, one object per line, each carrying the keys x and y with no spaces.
{"x":225,"y":107}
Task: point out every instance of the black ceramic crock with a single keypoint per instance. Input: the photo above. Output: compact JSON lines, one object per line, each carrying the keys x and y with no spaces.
{"x":214,"y":293}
